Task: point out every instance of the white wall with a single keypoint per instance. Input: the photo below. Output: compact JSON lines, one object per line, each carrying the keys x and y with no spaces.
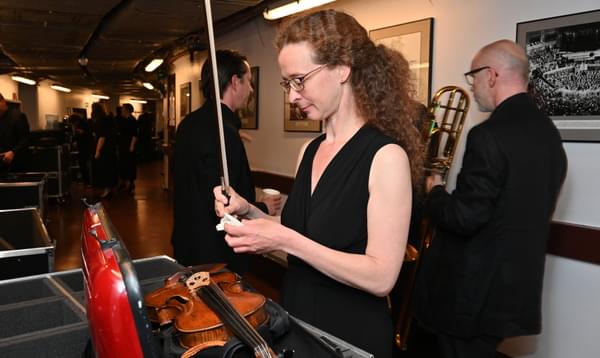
{"x":50,"y":102}
{"x":8,"y":87}
{"x":188,"y":71}
{"x":572,"y":292}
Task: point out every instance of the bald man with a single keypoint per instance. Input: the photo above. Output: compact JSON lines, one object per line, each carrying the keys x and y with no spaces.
{"x":481,"y":279}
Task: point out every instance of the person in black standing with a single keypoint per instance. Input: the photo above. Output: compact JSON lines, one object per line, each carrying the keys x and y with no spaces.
{"x":481,"y":278}
{"x":197,"y":161}
{"x":105,"y":154}
{"x":345,"y":223}
{"x":14,"y":137}
{"x":145,"y":133}
{"x":127,"y":139}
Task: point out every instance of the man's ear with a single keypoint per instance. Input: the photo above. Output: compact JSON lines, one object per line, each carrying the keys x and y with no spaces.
{"x":493,"y":75}
{"x":233,"y":81}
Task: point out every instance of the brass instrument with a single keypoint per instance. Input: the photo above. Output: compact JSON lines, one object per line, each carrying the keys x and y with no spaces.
{"x":441,"y":130}
{"x":448,"y":111}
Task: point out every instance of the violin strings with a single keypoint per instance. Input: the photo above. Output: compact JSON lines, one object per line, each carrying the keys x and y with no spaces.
{"x":239,"y":324}
{"x":254,"y":336}
{"x":219,"y":307}
{"x":244,"y":321}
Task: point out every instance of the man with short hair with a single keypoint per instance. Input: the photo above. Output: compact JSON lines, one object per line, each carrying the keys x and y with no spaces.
{"x":481,"y":278}
{"x":14,"y":136}
{"x":197,"y":162}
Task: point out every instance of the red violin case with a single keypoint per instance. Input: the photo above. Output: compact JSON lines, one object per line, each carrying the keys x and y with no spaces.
{"x":116,"y":313}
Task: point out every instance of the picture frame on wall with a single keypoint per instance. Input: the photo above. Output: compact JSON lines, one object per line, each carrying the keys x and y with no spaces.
{"x":171,"y":101}
{"x":185,"y":99}
{"x":564,"y":58}
{"x":295,"y":121}
{"x":414,"y":41}
{"x":249,"y":114}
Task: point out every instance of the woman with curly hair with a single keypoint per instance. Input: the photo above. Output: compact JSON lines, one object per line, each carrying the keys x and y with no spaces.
{"x":346,"y":220}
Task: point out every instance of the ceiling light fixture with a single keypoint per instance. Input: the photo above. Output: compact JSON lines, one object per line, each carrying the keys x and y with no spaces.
{"x":292,"y":8}
{"x":153,"y":65}
{"x":138,"y":101}
{"x":60,"y":88}
{"x":148,"y":85}
{"x":24,"y":80}
{"x":100,"y":96}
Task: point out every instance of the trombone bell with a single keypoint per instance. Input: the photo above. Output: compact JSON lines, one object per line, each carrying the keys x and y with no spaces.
{"x":447,"y":113}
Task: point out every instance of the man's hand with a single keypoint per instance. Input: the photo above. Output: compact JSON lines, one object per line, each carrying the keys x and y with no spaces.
{"x":432,"y":181}
{"x":7,"y":157}
{"x":273,"y":203}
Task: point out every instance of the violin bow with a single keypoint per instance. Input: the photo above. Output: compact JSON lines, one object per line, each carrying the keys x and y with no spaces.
{"x":215,"y":75}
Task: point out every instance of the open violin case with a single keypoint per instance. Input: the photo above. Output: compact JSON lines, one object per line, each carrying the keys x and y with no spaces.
{"x":99,"y":311}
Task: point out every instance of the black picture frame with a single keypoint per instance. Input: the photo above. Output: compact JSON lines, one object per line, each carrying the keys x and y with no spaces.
{"x":295,"y":121}
{"x":414,"y":40}
{"x":185,"y":99}
{"x":564,"y":55}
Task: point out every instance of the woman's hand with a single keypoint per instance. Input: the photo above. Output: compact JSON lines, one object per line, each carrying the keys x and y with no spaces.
{"x":257,"y":236}
{"x":236,"y":205}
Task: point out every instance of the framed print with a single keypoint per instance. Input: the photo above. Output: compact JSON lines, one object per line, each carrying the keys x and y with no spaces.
{"x":171,"y":100}
{"x":185,"y":99}
{"x":249,"y":114}
{"x":295,"y":121}
{"x":564,"y":58}
{"x":414,"y":41}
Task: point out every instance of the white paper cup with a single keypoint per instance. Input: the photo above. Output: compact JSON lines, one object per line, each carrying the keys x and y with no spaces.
{"x":269,"y":191}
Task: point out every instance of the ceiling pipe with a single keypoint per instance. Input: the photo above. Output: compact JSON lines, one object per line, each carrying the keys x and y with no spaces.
{"x":83,"y":58}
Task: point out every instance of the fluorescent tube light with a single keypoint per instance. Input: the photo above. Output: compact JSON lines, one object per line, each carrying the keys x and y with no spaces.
{"x":153,"y":65}
{"x":292,"y":8}
{"x":24,"y":80}
{"x":100,"y":96}
{"x":60,"y":88}
{"x":148,"y":85}
{"x":138,"y":101}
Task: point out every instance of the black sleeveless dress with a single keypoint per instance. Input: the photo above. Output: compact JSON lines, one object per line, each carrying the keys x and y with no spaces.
{"x":336,"y":216}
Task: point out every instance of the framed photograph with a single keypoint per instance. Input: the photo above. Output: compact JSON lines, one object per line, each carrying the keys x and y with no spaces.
{"x":295,"y":121}
{"x":564,"y":57}
{"x":185,"y":99}
{"x":249,"y":114}
{"x":171,"y":110}
{"x":414,"y":41}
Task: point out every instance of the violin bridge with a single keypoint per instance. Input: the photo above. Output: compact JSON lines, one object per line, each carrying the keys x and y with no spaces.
{"x":197,"y":280}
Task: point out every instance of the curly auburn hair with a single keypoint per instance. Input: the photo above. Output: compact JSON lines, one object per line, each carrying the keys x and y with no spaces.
{"x":379,"y":76}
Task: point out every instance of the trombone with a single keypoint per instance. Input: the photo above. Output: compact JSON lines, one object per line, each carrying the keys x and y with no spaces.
{"x":441,"y":131}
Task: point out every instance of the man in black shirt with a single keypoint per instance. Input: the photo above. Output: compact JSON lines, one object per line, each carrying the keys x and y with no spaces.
{"x":197,"y":162}
{"x":481,"y":278}
{"x":14,"y":136}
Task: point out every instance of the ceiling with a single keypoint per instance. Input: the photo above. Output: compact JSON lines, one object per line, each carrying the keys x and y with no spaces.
{"x":43,"y":39}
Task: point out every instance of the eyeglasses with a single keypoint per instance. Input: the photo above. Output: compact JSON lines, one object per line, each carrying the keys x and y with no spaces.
{"x":297,"y":83}
{"x":470,"y":76}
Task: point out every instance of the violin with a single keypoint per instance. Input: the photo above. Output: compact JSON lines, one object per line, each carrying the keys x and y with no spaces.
{"x":207,"y":309}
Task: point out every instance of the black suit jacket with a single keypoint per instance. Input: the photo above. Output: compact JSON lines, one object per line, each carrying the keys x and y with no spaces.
{"x":197,"y":162}
{"x":483,"y":272}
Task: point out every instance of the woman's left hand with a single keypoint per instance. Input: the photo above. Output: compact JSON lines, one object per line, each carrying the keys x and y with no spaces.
{"x":257,"y":236}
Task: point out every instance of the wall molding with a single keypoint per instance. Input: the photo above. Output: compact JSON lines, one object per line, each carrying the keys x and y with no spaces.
{"x":275,"y":181}
{"x":577,"y":242}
